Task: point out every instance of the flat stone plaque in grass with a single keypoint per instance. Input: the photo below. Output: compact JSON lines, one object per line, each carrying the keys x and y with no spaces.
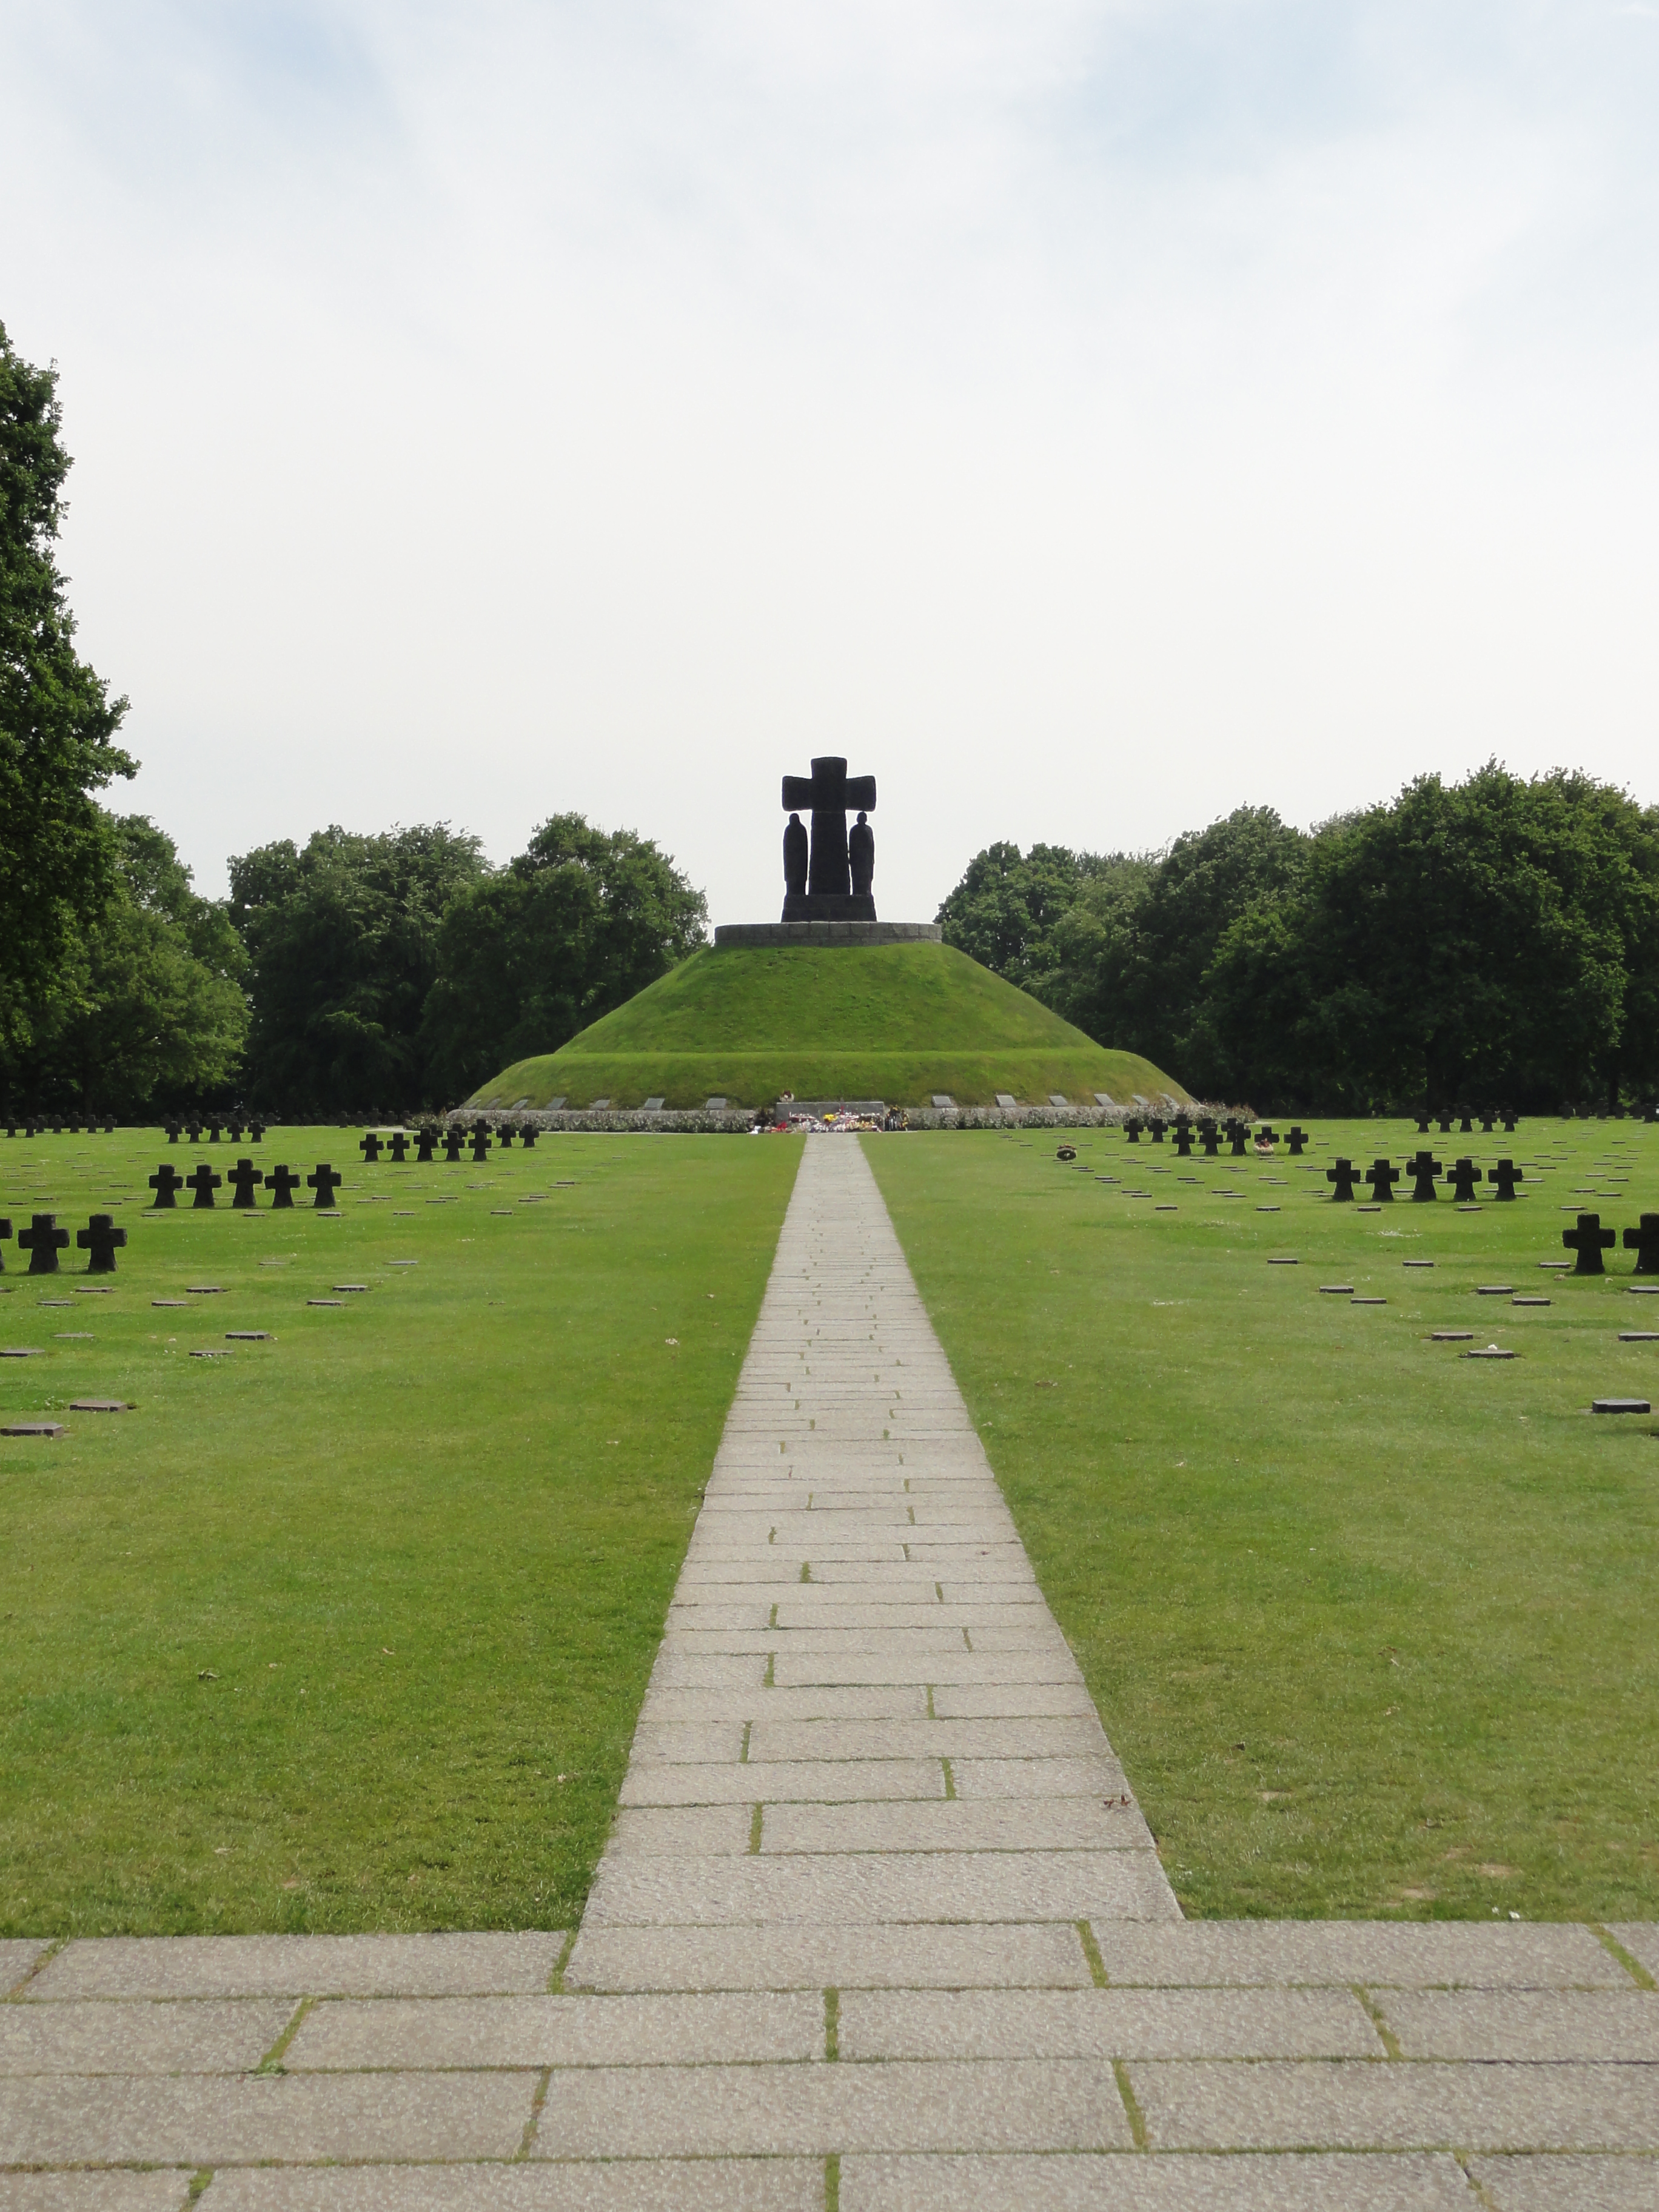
{"x":1451,"y":1336}
{"x":403,"y":1263}
{"x":1166,"y":1209}
{"x":1474,"y":1209}
{"x":1492,"y":1351}
{"x":1555,"y":1267}
{"x":1638,"y":1336}
{"x":1494,"y":1290}
{"x":214,"y":1354}
{"x":249,"y":1336}
{"x":1368,"y":1301}
{"x":1283,"y":1263}
{"x":600,"y":1106}
{"x":170,"y":1304}
{"x":204,"y":1290}
{"x":1004,"y":1098}
{"x":1620,"y":1406}
{"x":653,"y":1106}
{"x":32,"y":1429}
{"x":1368,"y":1209}
{"x":21,"y":1352}
{"x":324,"y":1301}
{"x":1530,"y":1302}
{"x":1635,"y":1290}
{"x":1336,"y":1289}
{"x":1417,"y":1263}
{"x":99,"y":1406}
{"x":1266,"y":1209}
{"x":350,"y":1287}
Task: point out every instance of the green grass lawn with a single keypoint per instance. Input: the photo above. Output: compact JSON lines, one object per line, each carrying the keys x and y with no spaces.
{"x":1371,"y":1624}
{"x":349,"y":1630}
{"x":894,"y":1022}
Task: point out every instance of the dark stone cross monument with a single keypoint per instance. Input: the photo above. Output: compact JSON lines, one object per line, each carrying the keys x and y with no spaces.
{"x":1296,"y":1138}
{"x":1644,"y":1241}
{"x":167,"y":1182}
{"x":1423,"y":1168}
{"x":1504,"y":1178}
{"x":244,"y":1180}
{"x":1383,"y":1174}
{"x":397,"y":1145}
{"x":284,"y":1183}
{"x":43,"y":1240}
{"x":369,"y":1146}
{"x":98,"y":1240}
{"x":203,"y":1182}
{"x":1345,"y":1176}
{"x":426,"y":1142}
{"x":454,"y":1142}
{"x":5,"y":1231}
{"x":324,"y":1182}
{"x":1462,"y":1175}
{"x":828,"y":880}
{"x":1210,"y":1138}
{"x":1239,"y":1132}
{"x":1589,"y":1241}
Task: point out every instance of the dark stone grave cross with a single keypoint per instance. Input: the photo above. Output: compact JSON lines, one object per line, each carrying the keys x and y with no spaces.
{"x":1589,"y":1241}
{"x":1296,"y":1138}
{"x":256,"y":1132}
{"x":426,"y":1143}
{"x":1462,"y":1175}
{"x":1239,"y":1132}
{"x":1508,"y":1121}
{"x":99,"y":1240}
{"x":1423,"y":1168}
{"x":165,"y":1183}
{"x":233,"y":1131}
{"x":398,"y":1145}
{"x":1504,"y":1178}
{"x":324,"y":1183}
{"x":244,"y":1180}
{"x":1156,"y":1125}
{"x":43,"y":1240}
{"x":505,"y":1134}
{"x":1383,"y":1174}
{"x":1345,"y":1176}
{"x":454,"y":1143}
{"x":1486,"y":1121}
{"x":369,"y":1146}
{"x":203,"y":1182}
{"x":480,"y":1142}
{"x":1445,"y":1125}
{"x":1644,"y":1243}
{"x":1183,"y":1141}
{"x":214,"y":1128}
{"x":1422,"y":1124}
{"x":5,"y":1231}
{"x":284,"y":1183}
{"x":1466,"y":1126}
{"x":527,"y":1136}
{"x":1210,"y":1138}
{"x":1131,"y":1130}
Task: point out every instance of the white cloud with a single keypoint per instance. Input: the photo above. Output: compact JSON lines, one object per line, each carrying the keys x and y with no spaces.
{"x":1089,"y":418}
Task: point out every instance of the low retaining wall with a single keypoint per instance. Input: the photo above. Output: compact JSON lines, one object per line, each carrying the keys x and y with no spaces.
{"x":738,"y":1121}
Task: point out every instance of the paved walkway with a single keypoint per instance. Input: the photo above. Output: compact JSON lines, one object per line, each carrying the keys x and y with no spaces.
{"x":880,"y":1927}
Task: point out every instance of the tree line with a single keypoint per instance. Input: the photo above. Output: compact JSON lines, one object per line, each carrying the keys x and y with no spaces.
{"x":1489,"y":942}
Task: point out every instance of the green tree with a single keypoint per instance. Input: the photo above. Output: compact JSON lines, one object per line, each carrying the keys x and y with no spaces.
{"x":57,"y":851}
{"x":1005,"y":911}
{"x":1492,"y":940}
{"x":146,"y":1008}
{"x":570,"y":929}
{"x":1130,"y":955}
{"x":342,"y":940}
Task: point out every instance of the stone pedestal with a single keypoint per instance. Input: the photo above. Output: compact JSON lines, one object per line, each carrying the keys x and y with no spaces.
{"x":828,"y":906}
{"x":730,"y":933}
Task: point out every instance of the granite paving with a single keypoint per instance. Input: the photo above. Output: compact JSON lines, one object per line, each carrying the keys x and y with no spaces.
{"x":880,"y":1927}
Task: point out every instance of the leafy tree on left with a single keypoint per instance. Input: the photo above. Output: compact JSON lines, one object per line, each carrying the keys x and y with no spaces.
{"x":57,"y":848}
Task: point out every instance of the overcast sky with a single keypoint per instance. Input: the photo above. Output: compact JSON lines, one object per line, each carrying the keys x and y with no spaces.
{"x":1088,"y":419}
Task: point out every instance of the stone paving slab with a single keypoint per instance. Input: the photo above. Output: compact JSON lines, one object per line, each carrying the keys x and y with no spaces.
{"x":17,"y":1958}
{"x":1355,"y":2104}
{"x":940,"y":1956}
{"x":1568,"y":2183}
{"x":154,"y":2192}
{"x":1524,"y":2023}
{"x":1106,"y":2024}
{"x":217,"y":2120}
{"x":1420,"y":1954}
{"x":1116,"y":2183}
{"x":98,"y":2037}
{"x":1641,"y":1940}
{"x":738,"y":2111}
{"x":1008,"y":1823}
{"x":802,"y":1781}
{"x":297,"y":1966}
{"x":755,"y":2184}
{"x":402,"y":2034}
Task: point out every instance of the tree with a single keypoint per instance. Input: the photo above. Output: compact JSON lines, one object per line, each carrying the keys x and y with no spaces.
{"x":570,"y":929}
{"x":57,"y":850}
{"x":342,"y":941}
{"x":1005,"y":911}
{"x":1492,"y":940}
{"x":146,"y":1006}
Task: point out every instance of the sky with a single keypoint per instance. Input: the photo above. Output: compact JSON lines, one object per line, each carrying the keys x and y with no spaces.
{"x":1087,"y":419}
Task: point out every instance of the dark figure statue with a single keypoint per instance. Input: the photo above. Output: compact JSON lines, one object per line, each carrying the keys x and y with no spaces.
{"x":861,"y":856}
{"x":795,"y":857}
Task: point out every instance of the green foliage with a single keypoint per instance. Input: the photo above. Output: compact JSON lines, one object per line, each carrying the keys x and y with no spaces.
{"x":56,"y":719}
{"x":1493,"y":940}
{"x":1005,"y":911}
{"x":895,"y":1022}
{"x":572,"y":929}
{"x":349,"y":1630}
{"x":342,"y":943}
{"x":1370,"y":1625}
{"x":147,"y":1007}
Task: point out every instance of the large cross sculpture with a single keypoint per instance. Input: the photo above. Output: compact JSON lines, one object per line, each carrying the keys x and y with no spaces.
{"x":829,"y":792}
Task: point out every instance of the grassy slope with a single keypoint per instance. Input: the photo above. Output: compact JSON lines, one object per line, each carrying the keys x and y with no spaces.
{"x":896,"y":1021}
{"x":1371,"y":1625}
{"x":425,"y":1542}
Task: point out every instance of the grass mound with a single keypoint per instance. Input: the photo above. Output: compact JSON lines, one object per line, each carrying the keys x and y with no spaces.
{"x":896,"y":1022}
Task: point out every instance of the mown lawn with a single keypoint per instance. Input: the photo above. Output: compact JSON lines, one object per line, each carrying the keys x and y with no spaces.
{"x":1370,"y":1624}
{"x":349,"y":1630}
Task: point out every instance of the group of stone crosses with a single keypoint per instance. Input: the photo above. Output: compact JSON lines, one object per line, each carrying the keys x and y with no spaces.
{"x":92,"y":1125}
